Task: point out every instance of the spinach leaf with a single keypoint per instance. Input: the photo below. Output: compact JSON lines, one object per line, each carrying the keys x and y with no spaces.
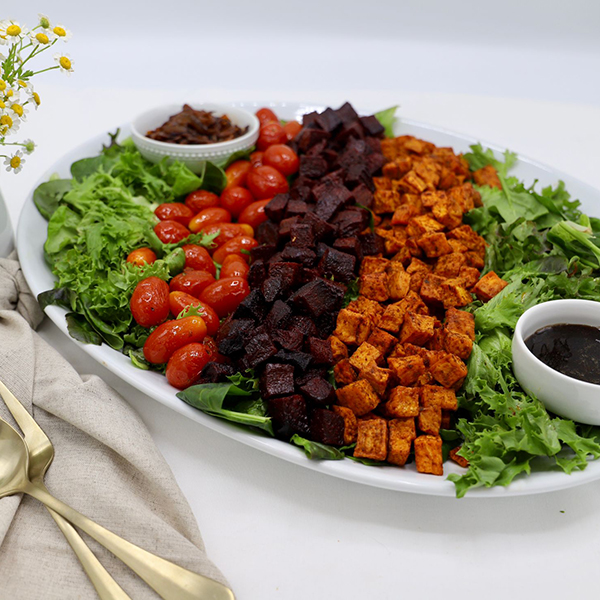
{"x":47,"y":196}
{"x":388,"y":119}
{"x":80,"y":329}
{"x":316,"y":450}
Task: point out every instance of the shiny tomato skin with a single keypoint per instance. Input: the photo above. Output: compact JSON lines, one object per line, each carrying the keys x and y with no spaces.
{"x":235,"y":199}
{"x":141,"y":256}
{"x":172,"y":335}
{"x":227,"y":231}
{"x":247,"y":229}
{"x":254,"y":214}
{"x":225,"y":294}
{"x":282,"y":158}
{"x":256,"y":160}
{"x":191,"y":282}
{"x":237,"y":172}
{"x":197,"y":258}
{"x":201,"y":199}
{"x":235,"y":246}
{"x":186,"y":364}
{"x":266,"y":115}
{"x":269,"y":134}
{"x":235,"y":268}
{"x":174,"y":211}
{"x":171,"y":232}
{"x":265,"y":182}
{"x":149,"y":302}
{"x":292,"y":129}
{"x":179,"y":301}
{"x":215,"y":214}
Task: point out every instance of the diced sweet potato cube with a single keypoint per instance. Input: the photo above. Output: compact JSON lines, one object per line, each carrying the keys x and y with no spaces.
{"x":401,"y":433}
{"x":468,"y":275}
{"x":398,"y":351}
{"x":364,"y":355}
{"x":487,"y":176}
{"x":404,"y":213}
{"x":454,"y":294}
{"x":412,"y":183}
{"x":428,"y":454}
{"x":449,"y":371}
{"x":450,"y":265}
{"x":460,"y":460}
{"x":430,"y":199}
{"x":352,"y":327}
{"x":398,"y":284}
{"x":393,"y":316}
{"x":378,"y":377}
{"x":344,"y":372}
{"x":374,"y":286}
{"x":457,"y":246}
{"x":373,"y":264}
{"x":460,"y":321}
{"x":431,"y":289}
{"x":474,"y":259}
{"x":382,"y":340}
{"x":468,"y":237}
{"x":488,"y":286}
{"x":372,"y":440}
{"x":436,"y":396}
{"x":360,"y":397}
{"x":458,"y":343}
{"x":416,"y":304}
{"x":422,"y":224}
{"x":403,"y":402}
{"x":448,"y":213}
{"x":416,"y":329}
{"x":338,"y":348}
{"x":407,"y":369}
{"x":385,"y":201}
{"x":417,"y":266}
{"x":434,"y":244}
{"x":430,"y":419}
{"x":350,"y":423}
{"x":367,"y":307}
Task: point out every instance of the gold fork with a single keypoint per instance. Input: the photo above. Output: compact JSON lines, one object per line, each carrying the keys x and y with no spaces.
{"x":41,"y":452}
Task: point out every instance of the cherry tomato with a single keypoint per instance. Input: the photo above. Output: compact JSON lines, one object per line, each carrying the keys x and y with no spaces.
{"x":197,"y":258}
{"x":171,"y":232}
{"x":292,"y":129}
{"x":235,"y":199}
{"x":179,"y":301}
{"x":212,"y":348}
{"x":141,"y":257}
{"x":237,"y":172}
{"x":266,"y":115}
{"x":174,"y":211}
{"x":269,"y":134}
{"x":282,"y":158}
{"x":201,"y":199}
{"x":227,"y":231}
{"x":186,"y":364}
{"x":256,"y":160}
{"x":254,"y":214}
{"x":265,"y":182}
{"x":235,"y":246}
{"x":215,"y":214}
{"x":234,"y":268}
{"x":171,"y":336}
{"x":226,"y":294}
{"x":247,"y":229}
{"x":192,"y":282}
{"x":149,"y":302}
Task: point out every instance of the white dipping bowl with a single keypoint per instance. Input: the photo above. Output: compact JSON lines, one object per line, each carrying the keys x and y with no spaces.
{"x":561,"y":394}
{"x":193,"y":155}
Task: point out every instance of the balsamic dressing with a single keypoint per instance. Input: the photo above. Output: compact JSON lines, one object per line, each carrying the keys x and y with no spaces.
{"x":573,"y":350}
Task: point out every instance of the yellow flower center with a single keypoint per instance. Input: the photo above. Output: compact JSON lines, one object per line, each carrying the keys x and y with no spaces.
{"x":9,"y":93}
{"x":2,"y":105}
{"x":65,"y":63}
{"x":15,"y":161}
{"x":21,"y":83}
{"x":59,"y":31}
{"x":18,"y":109}
{"x":13,"y":30}
{"x":36,"y":98}
{"x":6,"y":120}
{"x":2,"y":85}
{"x":42,"y":38}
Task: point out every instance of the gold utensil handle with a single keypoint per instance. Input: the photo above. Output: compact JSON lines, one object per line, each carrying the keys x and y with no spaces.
{"x":169,"y":580}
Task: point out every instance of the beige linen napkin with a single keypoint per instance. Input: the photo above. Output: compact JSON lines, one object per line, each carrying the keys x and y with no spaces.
{"x":106,"y":466}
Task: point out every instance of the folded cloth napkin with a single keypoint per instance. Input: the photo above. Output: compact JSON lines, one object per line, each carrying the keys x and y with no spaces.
{"x":106,"y":466}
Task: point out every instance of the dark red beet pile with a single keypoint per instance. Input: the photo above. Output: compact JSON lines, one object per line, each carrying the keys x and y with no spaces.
{"x":310,"y":248}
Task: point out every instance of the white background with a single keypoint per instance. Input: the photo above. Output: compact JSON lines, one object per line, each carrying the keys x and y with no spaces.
{"x":521,"y":74}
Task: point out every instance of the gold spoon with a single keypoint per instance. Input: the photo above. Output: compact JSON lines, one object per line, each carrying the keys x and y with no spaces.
{"x":169,"y":580}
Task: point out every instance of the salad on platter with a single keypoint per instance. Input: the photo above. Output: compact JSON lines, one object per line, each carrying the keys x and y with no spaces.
{"x":339,"y":288}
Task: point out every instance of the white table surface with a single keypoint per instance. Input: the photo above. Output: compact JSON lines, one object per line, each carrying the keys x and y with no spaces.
{"x":279,"y":531}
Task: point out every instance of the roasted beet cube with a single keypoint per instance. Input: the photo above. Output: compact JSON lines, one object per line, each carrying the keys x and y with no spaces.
{"x":296,"y":208}
{"x":372,"y":126}
{"x":302,"y":236}
{"x":303,"y":181}
{"x":289,"y":272}
{"x":351,"y":245}
{"x":215,"y":372}
{"x":357,"y":174}
{"x":309,"y":274}
{"x":321,"y":228}
{"x":371,"y":243}
{"x":351,"y":222}
{"x":300,"y":192}
{"x":319,"y":297}
{"x":375,"y":162}
{"x":308,"y":137}
{"x":267,"y":232}
{"x":346,"y":113}
{"x":309,"y":118}
{"x":320,"y":350}
{"x":263,"y":252}
{"x":300,"y":360}
{"x":327,"y":427}
{"x":253,"y":306}
{"x":272,"y":288}
{"x":257,"y":273}
{"x":259,"y":349}
{"x":278,"y":316}
{"x":276,"y":208}
{"x":304,"y":324}
{"x":317,"y":148}
{"x":288,"y":339}
{"x":349,"y":131}
{"x":311,"y":374}
{"x":321,"y":249}
{"x":275,"y":258}
{"x":312,"y":166}
{"x":325,"y":324}
{"x":318,"y":390}
{"x":304,"y":256}
{"x":277,"y":380}
{"x":233,"y":334}
{"x":363,"y":195}
{"x":289,"y":416}
{"x":285,"y":227}
{"x":330,"y":156}
{"x":328,"y":120}
{"x":330,"y":198}
{"x":338,"y":265}
{"x":374,"y":143}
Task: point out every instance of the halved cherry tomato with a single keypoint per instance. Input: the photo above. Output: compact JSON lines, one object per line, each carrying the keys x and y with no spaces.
{"x":256,"y":160}
{"x":186,"y":364}
{"x":225,"y":294}
{"x":215,"y":214}
{"x":227,"y":231}
{"x":265,"y":182}
{"x":235,"y":199}
{"x":266,"y":115}
{"x":171,"y":232}
{"x":192,"y":282}
{"x":198,"y":259}
{"x":174,"y":211}
{"x":282,"y":158}
{"x":234,"y":268}
{"x":141,"y":257}
{"x":292,"y":129}
{"x":237,"y":172}
{"x":201,"y":199}
{"x":269,"y":134}
{"x":149,"y":302}
{"x":179,"y":301}
{"x":235,"y":246}
{"x":254,"y":214}
{"x":172,"y":335}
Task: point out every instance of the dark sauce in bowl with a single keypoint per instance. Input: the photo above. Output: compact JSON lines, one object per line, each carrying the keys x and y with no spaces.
{"x":573,"y":350}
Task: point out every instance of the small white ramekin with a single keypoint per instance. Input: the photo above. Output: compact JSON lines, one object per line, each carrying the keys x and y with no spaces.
{"x":563,"y":395}
{"x":193,"y":155}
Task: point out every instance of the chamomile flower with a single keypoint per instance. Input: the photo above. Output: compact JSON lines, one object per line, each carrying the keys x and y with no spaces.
{"x":9,"y":123}
{"x":62,"y":33}
{"x":12,"y":31}
{"x":44,"y":21}
{"x":3,"y":86}
{"x":41,"y":38}
{"x":15,"y":162}
{"x":35,"y":97}
{"x":64,"y":62}
{"x":28,"y":146}
{"x":18,"y":109}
